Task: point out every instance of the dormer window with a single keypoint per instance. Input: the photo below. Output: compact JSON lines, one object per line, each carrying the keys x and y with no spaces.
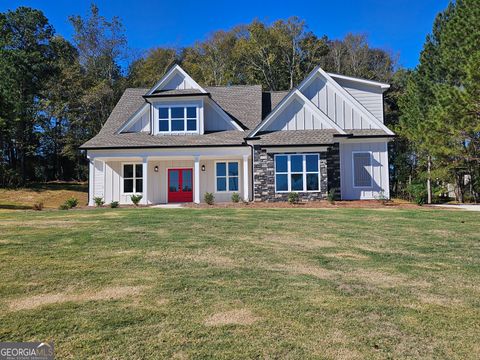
{"x":177,"y":119}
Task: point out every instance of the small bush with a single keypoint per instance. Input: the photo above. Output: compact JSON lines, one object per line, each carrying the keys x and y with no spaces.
{"x":98,"y":200}
{"x":136,"y":199}
{"x":72,"y":202}
{"x":64,"y":206}
{"x":332,"y":195}
{"x":209,"y":198}
{"x":114,"y":204}
{"x":382,"y":198}
{"x":38,"y":206}
{"x":417,"y":193}
{"x":293,"y":198}
{"x":235,"y":197}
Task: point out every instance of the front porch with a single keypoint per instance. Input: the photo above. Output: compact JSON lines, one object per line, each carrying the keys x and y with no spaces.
{"x":170,"y":175}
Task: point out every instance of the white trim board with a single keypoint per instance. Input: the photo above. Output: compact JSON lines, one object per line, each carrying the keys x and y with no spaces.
{"x":139,"y":113}
{"x":381,"y":85}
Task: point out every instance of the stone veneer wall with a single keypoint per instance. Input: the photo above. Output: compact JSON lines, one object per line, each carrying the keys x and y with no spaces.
{"x":264,"y":176}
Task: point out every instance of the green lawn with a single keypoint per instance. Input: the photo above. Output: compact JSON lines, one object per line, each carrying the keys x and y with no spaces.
{"x":243,"y":283}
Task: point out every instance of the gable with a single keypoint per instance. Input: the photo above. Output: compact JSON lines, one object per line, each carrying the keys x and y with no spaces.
{"x":296,"y":112}
{"x":175,"y":78}
{"x":339,"y":105}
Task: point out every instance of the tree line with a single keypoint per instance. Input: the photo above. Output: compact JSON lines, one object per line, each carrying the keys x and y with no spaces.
{"x":55,"y":94}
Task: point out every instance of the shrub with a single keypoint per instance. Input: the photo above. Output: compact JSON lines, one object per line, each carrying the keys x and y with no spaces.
{"x":114,"y":204}
{"x":98,"y":200}
{"x":235,"y":197}
{"x":332,"y":195}
{"x":136,"y":199}
{"x":293,"y":198}
{"x":382,"y":198}
{"x":209,"y":198}
{"x":417,"y":192}
{"x":38,"y":206}
{"x":64,"y":206}
{"x":72,"y":202}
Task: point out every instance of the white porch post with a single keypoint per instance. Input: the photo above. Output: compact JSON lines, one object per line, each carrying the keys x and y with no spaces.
{"x":246,"y":175}
{"x":145,"y":181}
{"x":196,"y":180}
{"x":91,"y":181}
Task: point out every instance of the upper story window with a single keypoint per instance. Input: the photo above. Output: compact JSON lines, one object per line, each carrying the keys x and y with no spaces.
{"x":177,"y":119}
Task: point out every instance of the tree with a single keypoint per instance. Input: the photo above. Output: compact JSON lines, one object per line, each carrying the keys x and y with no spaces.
{"x":25,"y":66}
{"x":439,"y":114}
{"x":146,"y":71}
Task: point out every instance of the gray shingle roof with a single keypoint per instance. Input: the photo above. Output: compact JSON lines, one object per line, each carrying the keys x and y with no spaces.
{"x":242,"y":102}
{"x":143,"y":139}
{"x":295,"y":137}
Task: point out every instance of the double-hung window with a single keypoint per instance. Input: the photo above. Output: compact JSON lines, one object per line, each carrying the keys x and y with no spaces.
{"x":132,"y":178}
{"x":297,"y":172}
{"x":177,"y":119}
{"x":362,"y":169}
{"x":226,"y":176}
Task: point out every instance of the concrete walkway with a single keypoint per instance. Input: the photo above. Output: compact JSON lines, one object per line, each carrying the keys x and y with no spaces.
{"x":168,"y":206}
{"x":461,"y":207}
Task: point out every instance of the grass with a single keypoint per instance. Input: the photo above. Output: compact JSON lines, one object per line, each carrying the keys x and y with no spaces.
{"x":50,"y":194}
{"x":243,"y":283}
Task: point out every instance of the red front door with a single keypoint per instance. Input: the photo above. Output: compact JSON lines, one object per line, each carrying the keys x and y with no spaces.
{"x":180,"y":185}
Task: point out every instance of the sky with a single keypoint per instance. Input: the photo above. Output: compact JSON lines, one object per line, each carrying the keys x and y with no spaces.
{"x":399,"y":26}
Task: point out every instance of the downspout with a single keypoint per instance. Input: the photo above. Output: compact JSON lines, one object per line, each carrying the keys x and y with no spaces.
{"x":252,"y":172}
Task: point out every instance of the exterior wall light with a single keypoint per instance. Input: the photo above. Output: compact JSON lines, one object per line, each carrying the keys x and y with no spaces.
{"x":203,"y":167}
{"x":155,"y":169}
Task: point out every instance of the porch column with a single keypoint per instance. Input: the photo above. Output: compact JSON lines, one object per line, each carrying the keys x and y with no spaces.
{"x":196,"y":180}
{"x":145,"y":181}
{"x":91,"y":181}
{"x":246,"y":175}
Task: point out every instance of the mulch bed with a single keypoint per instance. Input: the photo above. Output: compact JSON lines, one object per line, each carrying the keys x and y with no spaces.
{"x":373,"y":204}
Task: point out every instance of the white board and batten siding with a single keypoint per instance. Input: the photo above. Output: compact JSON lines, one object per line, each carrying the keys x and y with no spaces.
{"x":371,"y":97}
{"x":378,"y":171}
{"x":99,"y":179}
{"x":328,"y":99}
{"x":142,"y":124}
{"x":296,"y":116}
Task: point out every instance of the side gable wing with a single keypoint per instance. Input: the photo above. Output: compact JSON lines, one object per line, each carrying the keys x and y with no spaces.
{"x":296,"y":112}
{"x":339,"y":105}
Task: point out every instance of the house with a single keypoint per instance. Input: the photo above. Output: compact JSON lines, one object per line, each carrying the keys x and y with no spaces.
{"x":179,"y":140}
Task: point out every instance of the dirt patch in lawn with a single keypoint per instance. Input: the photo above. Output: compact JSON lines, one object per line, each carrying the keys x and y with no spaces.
{"x":348,"y":256}
{"x":208,"y":256}
{"x":232,"y":317}
{"x":385,"y":280}
{"x":294,"y":240}
{"x":109,"y":293}
{"x":304,"y":269}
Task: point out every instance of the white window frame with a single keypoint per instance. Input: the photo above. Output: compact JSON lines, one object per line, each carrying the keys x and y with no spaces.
{"x":134,"y":178}
{"x":227,"y":177}
{"x":304,"y":173}
{"x":371,"y":169}
{"x":185,"y":119}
